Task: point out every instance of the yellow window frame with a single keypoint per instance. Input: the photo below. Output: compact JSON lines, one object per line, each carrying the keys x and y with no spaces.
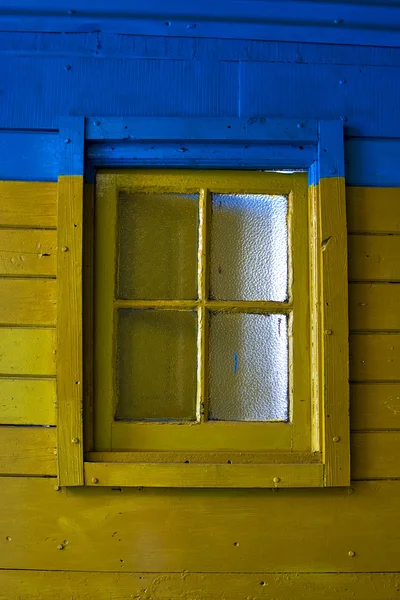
{"x":319,"y":455}
{"x":202,"y":436}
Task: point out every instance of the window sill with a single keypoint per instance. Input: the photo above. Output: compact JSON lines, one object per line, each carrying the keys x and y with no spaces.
{"x":213,"y":475}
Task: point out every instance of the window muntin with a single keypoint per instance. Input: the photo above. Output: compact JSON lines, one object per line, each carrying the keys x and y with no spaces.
{"x":282,"y":298}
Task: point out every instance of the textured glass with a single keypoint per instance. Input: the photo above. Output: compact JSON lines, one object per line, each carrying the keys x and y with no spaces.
{"x":157,"y":236}
{"x":248,"y":367}
{"x":249,"y":247}
{"x":156,"y":368}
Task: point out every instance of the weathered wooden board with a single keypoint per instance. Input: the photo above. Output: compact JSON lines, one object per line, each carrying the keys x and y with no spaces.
{"x":67,"y":585}
{"x":203,"y":475}
{"x":69,"y":323}
{"x":27,"y":450}
{"x":171,"y":530}
{"x":27,"y":351}
{"x":28,"y":204}
{"x":374,"y":357}
{"x":374,"y":406}
{"x":373,"y":210}
{"x":28,"y":252}
{"x":374,"y":257}
{"x":27,"y":401}
{"x":376,"y":455}
{"x":27,"y":301}
{"x":374,"y":306}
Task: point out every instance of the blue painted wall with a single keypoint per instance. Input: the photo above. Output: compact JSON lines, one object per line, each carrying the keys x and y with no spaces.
{"x":44,"y":76}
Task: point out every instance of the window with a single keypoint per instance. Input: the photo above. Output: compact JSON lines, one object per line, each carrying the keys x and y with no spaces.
{"x":214,"y":319}
{"x":202,"y":335}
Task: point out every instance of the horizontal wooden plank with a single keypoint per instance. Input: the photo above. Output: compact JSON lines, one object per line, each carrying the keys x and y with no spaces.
{"x":169,"y":530}
{"x":27,"y":351}
{"x":216,"y":457}
{"x":27,"y":450}
{"x":374,"y":306}
{"x":28,"y":203}
{"x":375,"y":406}
{"x":373,"y":210}
{"x":374,"y":257}
{"x":365,"y":23}
{"x":143,"y":46}
{"x":207,"y":88}
{"x":204,"y":475}
{"x":28,"y":252}
{"x":64,"y":585}
{"x":375,"y":455}
{"x":374,"y":357}
{"x":27,"y":401}
{"x":27,"y":301}
{"x":208,"y":129}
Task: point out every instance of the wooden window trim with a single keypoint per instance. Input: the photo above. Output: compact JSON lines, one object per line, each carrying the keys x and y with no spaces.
{"x":273,"y":143}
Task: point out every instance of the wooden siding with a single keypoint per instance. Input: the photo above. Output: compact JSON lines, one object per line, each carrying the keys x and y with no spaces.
{"x":65,"y":585}
{"x":209,"y":531}
{"x":27,"y":328}
{"x":226,"y":544}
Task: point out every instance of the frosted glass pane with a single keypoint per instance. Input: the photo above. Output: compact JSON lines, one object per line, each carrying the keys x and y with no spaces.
{"x":156,"y":365}
{"x":249,"y":247}
{"x":248,"y":367}
{"x":157,"y":246}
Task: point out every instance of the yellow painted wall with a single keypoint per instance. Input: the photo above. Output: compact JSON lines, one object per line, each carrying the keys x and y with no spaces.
{"x":112,"y":543}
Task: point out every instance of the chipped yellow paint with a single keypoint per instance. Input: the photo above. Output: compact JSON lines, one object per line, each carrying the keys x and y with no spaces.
{"x":28,"y":252}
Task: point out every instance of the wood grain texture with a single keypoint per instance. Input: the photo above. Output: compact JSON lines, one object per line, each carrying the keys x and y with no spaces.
{"x":375,"y":406}
{"x":108,"y":45}
{"x":376,"y":455}
{"x":69,"y":331}
{"x":374,"y":357}
{"x":331,"y":239}
{"x":27,"y":401}
{"x":27,"y":451}
{"x":28,"y":252}
{"x":28,"y":204}
{"x":373,"y":210}
{"x":204,"y":475}
{"x":65,"y":585}
{"x":27,"y":301}
{"x":165,"y":530}
{"x":374,"y":306}
{"x":374,"y":257}
{"x":365,"y":23}
{"x":27,"y":351}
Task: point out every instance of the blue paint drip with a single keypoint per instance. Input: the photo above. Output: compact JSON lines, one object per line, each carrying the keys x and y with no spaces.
{"x":235,"y":362}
